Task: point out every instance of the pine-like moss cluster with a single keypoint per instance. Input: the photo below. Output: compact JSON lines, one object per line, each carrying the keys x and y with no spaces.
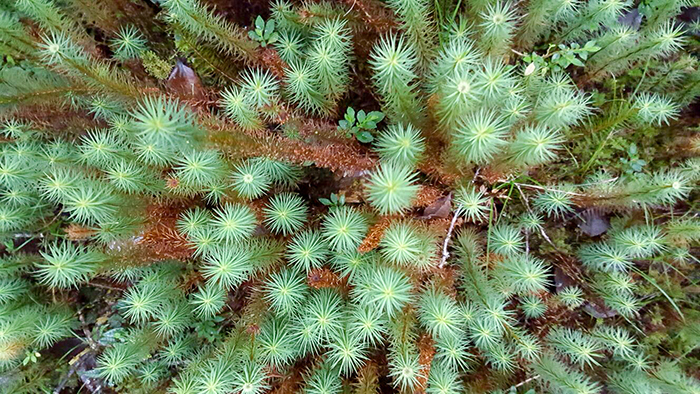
{"x":521,"y":217}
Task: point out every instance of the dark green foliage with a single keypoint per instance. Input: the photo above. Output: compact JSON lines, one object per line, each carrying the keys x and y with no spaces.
{"x":523,"y":219}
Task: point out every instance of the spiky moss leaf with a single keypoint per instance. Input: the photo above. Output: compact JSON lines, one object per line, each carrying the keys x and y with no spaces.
{"x":451,"y":353}
{"x":216,"y":193}
{"x":640,"y":241}
{"x":516,"y":108}
{"x":66,"y":265}
{"x":624,"y":303}
{"x":527,"y":346}
{"x":280,"y":173}
{"x":439,"y":314}
{"x":11,"y":289}
{"x":571,"y":296}
{"x":416,"y":18}
{"x":276,"y":343}
{"x":346,"y":351}
{"x":455,"y":57}
{"x":177,"y":350}
{"x":165,"y":123}
{"x":616,"y":338}
{"x":632,"y":382}
{"x":91,"y":203}
{"x":303,"y":89}
{"x":259,"y":87}
{"x":233,"y":223}
{"x":402,"y":243}
{"x":130,"y":177}
{"x":52,"y":327}
{"x":368,"y":323}
{"x":153,"y":155}
{"x":580,"y":347}
{"x":444,"y":381}
{"x":495,"y":314}
{"x":290,"y":45}
{"x":483,"y":334}
{"x":250,"y":180}
{"x":323,"y":312}
{"x":193,"y":220}
{"x":595,"y":14}
{"x":479,"y":137}
{"x":563,"y":378}
{"x":682,"y":231}
{"x":394,"y":62}
{"x":654,"y":109}
{"x":405,"y":370}
{"x":458,"y":95}
{"x":14,"y":171}
{"x":117,"y":363}
{"x":173,"y":318}
{"x":391,"y":188}
{"x":344,"y":228}
{"x":497,"y":27}
{"x":605,"y":257}
{"x":308,"y":338}
{"x":208,"y":300}
{"x":14,"y":218}
{"x":501,"y":357}
{"x":129,"y":43}
{"x":152,"y":372}
{"x":351,"y":264}
{"x":324,"y":380}
{"x":667,"y":187}
{"x":57,"y":153}
{"x":199,"y":168}
{"x":227,"y":267}
{"x":286,"y":291}
{"x":306,"y":251}
{"x":506,"y":240}
{"x":215,"y":377}
{"x":57,"y":48}
{"x":101,"y":148}
{"x":525,"y":274}
{"x":532,"y":306}
{"x":389,"y":289}
{"x":15,"y":129}
{"x":554,"y":202}
{"x":535,"y":145}
{"x":56,"y":183}
{"x":204,"y":240}
{"x":334,"y":32}
{"x":20,"y":197}
{"x":237,"y":106}
{"x":401,"y":144}
{"x":329,"y":54}
{"x":141,"y":302}
{"x":197,"y":19}
{"x":285,"y":213}
{"x":496,"y":81}
{"x":251,"y":379}
{"x":562,"y":106}
{"x":472,"y":204}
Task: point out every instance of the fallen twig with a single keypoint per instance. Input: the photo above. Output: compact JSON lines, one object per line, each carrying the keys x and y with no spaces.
{"x":445,"y":253}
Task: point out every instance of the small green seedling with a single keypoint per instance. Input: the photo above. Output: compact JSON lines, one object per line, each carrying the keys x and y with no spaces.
{"x":633,"y":164}
{"x":334,"y":201}
{"x":264,"y":32}
{"x":360,"y":124}
{"x":559,"y":57}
